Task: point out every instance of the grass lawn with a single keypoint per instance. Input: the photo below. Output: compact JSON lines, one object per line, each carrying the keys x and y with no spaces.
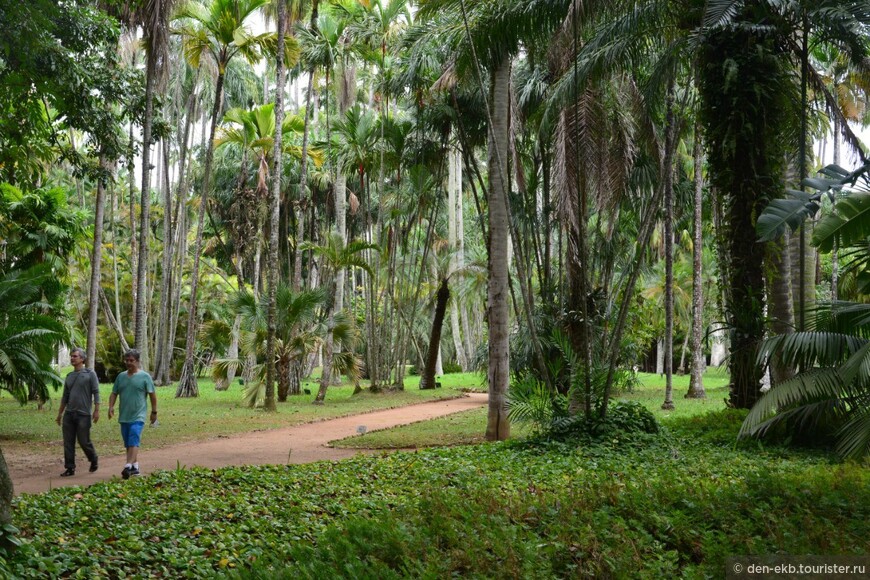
{"x":212,"y":414}
{"x":468,"y":427}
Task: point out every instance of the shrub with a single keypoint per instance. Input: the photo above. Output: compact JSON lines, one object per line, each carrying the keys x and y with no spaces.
{"x":450,"y":368}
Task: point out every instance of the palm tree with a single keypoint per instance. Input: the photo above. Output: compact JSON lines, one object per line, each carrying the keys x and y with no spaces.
{"x":750,"y":118}
{"x":489,"y":33}
{"x":29,"y":335}
{"x":297,"y":334}
{"x":831,"y":395}
{"x":155,"y":20}
{"x":218,"y":32}
{"x":335,"y":255}
{"x":849,"y":85}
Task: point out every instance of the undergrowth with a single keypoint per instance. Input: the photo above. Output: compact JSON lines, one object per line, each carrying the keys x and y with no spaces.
{"x":675,"y":503}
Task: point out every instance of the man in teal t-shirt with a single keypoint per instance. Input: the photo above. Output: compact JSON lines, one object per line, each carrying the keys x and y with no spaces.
{"x":134,"y":386}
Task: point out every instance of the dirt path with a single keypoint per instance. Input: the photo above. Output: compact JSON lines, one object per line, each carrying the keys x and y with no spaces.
{"x":300,"y":444}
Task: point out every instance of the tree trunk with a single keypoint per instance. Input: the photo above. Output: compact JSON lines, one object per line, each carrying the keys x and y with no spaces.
{"x":6,"y":494}
{"x":96,"y":264}
{"x":803,"y":273}
{"x":326,"y":375}
{"x":117,"y":285}
{"x":187,"y":384}
{"x":667,"y":166}
{"x":696,"y":381}
{"x":781,"y":310}
{"x":232,"y":353}
{"x":282,"y":369}
{"x":660,"y":357}
{"x":303,"y":187}
{"x":835,"y":261}
{"x":454,"y":195}
{"x":275,"y":217}
{"x":161,"y":375}
{"x":427,"y":379}
{"x":498,"y":315}
{"x":171,"y":278}
{"x":134,"y":243}
{"x":140,"y":340}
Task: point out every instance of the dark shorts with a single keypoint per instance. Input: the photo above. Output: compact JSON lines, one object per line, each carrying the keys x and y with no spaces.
{"x":131,"y":433}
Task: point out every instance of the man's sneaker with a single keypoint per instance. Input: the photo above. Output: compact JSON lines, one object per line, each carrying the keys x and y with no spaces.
{"x":134,"y":472}
{"x":126,"y":473}
{"x":94,"y":466}
{"x":68,"y":473}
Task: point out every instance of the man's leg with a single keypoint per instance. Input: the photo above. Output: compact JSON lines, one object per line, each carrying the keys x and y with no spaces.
{"x":69,"y":442}
{"x":83,"y":434}
{"x":132,"y":432}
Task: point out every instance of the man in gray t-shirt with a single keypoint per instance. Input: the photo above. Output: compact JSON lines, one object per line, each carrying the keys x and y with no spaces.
{"x":80,"y":389}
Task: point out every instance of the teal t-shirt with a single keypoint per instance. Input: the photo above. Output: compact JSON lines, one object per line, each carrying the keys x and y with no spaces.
{"x":133,"y":391}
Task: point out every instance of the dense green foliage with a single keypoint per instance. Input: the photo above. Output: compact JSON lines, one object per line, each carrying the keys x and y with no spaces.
{"x":676,"y":503}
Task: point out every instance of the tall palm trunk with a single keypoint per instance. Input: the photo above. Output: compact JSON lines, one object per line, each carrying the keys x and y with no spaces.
{"x":175,"y":241}
{"x":166,"y":274}
{"x":498,"y":374}
{"x":696,"y":380}
{"x":303,"y":186}
{"x":835,"y":251}
{"x":346,"y":95}
{"x":275,"y":217}
{"x":303,"y":169}
{"x":781,"y":310}
{"x":96,"y":263}
{"x":454,"y":196}
{"x":668,"y":167}
{"x":187,"y":385}
{"x":134,"y":242}
{"x":140,"y":339}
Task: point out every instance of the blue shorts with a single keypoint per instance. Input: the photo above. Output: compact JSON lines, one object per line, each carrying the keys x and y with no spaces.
{"x":131,"y":433}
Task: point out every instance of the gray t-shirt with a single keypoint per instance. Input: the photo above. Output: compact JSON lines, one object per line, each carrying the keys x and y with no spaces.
{"x":79,"y":389}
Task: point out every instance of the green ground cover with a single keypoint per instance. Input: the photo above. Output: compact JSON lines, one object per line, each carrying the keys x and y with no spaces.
{"x":676,"y":504}
{"x":671,"y":505}
{"x":212,"y":414}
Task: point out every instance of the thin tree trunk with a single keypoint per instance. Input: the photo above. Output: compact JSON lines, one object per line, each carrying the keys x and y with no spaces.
{"x":660,"y":357}
{"x":670,"y":138}
{"x":166,"y":274}
{"x":187,"y":384}
{"x":681,"y":368}
{"x":134,"y":243}
{"x":303,"y":187}
{"x":96,"y":264}
{"x":140,"y":338}
{"x":107,"y":311}
{"x":696,"y":381}
{"x":835,"y":261}
{"x":326,"y":375}
{"x":454,"y":192}
{"x":117,"y":285}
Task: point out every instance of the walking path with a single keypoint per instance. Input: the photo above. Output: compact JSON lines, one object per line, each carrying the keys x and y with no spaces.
{"x":300,"y":444}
